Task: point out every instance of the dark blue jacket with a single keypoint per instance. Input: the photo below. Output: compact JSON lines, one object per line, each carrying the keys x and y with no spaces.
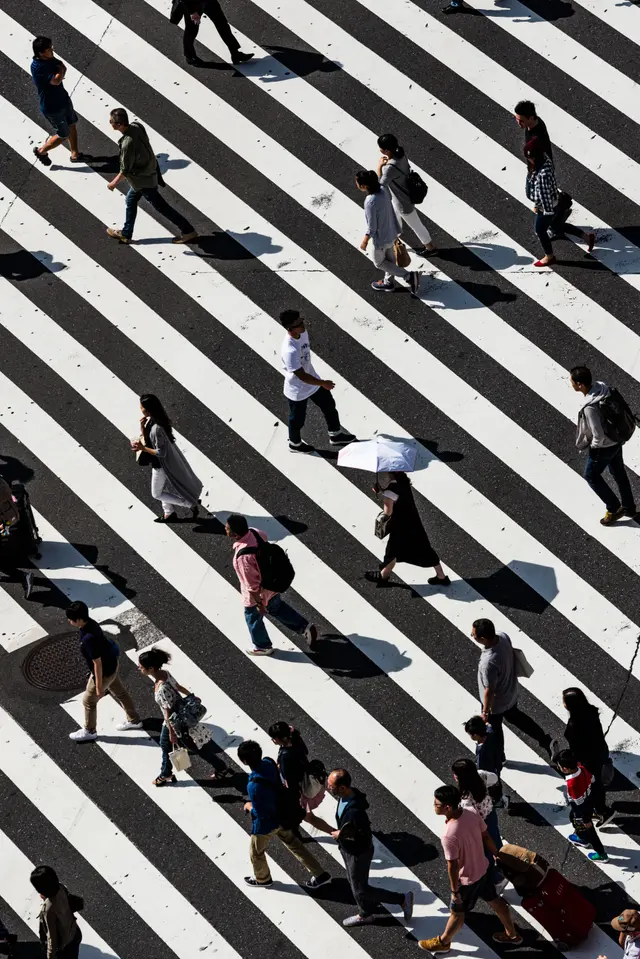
{"x":353,"y":823}
{"x":264,"y":796}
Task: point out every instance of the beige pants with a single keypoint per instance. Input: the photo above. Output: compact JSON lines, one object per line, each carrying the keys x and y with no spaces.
{"x":258,"y":849}
{"x":111,"y":684}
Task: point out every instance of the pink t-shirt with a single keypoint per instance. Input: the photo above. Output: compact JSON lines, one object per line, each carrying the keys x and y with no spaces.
{"x":462,"y":840}
{"x":248,"y":570}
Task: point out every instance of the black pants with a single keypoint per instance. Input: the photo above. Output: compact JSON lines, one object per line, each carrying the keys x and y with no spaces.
{"x":557,"y":223}
{"x":213,"y":10}
{"x":368,"y":898}
{"x":71,"y":951}
{"x":521,"y":721}
{"x":298,"y":413}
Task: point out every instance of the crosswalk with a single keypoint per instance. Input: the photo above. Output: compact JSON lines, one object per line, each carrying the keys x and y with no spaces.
{"x":262,"y":159}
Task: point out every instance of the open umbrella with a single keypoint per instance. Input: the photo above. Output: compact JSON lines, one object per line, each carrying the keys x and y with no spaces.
{"x":382,"y":454}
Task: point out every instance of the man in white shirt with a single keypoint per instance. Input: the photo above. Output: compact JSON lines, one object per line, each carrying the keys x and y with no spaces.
{"x":302,"y":383}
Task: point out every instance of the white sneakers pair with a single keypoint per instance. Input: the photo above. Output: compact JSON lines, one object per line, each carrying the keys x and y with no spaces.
{"x":84,"y":736}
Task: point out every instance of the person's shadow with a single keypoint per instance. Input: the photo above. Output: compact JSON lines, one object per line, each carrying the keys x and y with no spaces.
{"x":300,"y":62}
{"x":22,"y":265}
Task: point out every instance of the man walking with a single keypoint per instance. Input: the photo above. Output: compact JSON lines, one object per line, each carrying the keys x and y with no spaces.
{"x":302,"y":383}
{"x":192,"y":11}
{"x":139,"y":166}
{"x":604,"y":452}
{"x":265,"y":789}
{"x":355,"y":840}
{"x":533,"y":126}
{"x":498,"y":686}
{"x":463,"y":843}
{"x":101,"y":655}
{"x":257,"y":600}
{"x":48,"y":74}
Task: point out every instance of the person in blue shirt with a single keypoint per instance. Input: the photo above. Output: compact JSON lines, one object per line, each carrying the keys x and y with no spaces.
{"x":271,"y":815}
{"x":48,"y":74}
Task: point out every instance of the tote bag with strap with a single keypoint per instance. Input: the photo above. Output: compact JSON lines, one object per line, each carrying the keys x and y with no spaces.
{"x":401,"y":253}
{"x":524,"y":669}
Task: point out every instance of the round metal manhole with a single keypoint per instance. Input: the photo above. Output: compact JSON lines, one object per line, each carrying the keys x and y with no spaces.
{"x":57,"y":664}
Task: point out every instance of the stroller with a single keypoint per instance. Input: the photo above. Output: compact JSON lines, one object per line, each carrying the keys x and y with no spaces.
{"x":19,"y":536}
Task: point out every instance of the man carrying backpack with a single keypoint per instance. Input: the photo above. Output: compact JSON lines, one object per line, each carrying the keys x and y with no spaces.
{"x":264,"y":571}
{"x":605,"y":422}
{"x":270,"y":811}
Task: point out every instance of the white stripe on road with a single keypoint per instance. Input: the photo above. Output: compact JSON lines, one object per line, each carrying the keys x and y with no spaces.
{"x":17,"y":628}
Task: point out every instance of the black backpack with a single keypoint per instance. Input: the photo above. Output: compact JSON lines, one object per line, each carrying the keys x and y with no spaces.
{"x":618,"y":422}
{"x":288,"y":808}
{"x":276,"y":571}
{"x":416,"y":187}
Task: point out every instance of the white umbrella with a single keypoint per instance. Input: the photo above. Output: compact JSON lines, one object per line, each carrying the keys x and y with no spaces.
{"x":382,"y":454}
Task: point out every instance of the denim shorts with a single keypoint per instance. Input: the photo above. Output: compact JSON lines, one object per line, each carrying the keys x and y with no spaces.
{"x":62,"y":120}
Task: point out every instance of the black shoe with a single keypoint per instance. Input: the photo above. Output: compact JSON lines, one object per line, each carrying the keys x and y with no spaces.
{"x":341,"y":438}
{"x":81,"y":158}
{"x":422,"y":251}
{"x":631,"y":513}
{"x":171,"y":518}
{"x":414,"y":282}
{"x":250,"y":881}
{"x":44,"y":158}
{"x":301,"y":447}
{"x":241,"y":57}
{"x":375,"y":576}
{"x":195,"y":510}
{"x":436,"y":581}
{"x":318,"y":881}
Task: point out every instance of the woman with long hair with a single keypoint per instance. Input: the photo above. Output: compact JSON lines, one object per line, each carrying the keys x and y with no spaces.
{"x":408,"y":541}
{"x":541,"y":188}
{"x":585,"y":737}
{"x":393,"y":172}
{"x":167,"y":692}
{"x":383,"y":229}
{"x":293,"y":764}
{"x":173,"y":482}
{"x":475,"y":787}
{"x":59,"y":930}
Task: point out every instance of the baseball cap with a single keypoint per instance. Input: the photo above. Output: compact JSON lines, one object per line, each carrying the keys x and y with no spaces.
{"x":627,"y":921}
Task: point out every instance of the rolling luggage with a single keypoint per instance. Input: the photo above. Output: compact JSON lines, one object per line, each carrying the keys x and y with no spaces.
{"x":561,"y":909}
{"x":526,"y":870}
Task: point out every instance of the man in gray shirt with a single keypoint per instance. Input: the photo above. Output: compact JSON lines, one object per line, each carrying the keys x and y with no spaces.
{"x":498,"y":685}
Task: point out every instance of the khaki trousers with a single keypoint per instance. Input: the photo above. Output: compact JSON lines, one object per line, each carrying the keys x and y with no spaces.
{"x":111,"y":684}
{"x":258,"y":849}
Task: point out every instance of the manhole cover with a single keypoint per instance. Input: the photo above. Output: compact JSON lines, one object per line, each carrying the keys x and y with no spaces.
{"x":57,"y":664}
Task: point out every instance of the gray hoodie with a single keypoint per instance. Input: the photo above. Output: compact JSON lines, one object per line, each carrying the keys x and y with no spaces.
{"x":590,"y":432}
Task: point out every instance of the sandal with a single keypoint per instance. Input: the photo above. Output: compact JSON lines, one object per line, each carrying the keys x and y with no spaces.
{"x":44,"y":158}
{"x":375,"y":576}
{"x":221,"y":774}
{"x":164,"y":780}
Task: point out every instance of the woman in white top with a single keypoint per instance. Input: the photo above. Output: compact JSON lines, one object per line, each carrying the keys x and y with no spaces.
{"x":167,"y":693}
{"x":393,"y":170}
{"x":475,"y":787}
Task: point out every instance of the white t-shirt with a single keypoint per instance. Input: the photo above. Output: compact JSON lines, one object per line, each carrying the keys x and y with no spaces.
{"x":296,"y":354}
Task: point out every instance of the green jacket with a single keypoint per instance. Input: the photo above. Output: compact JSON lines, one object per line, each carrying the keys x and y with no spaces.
{"x":137,"y":160}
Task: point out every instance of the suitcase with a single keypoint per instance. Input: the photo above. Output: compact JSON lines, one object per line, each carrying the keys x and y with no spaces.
{"x":561,"y":909}
{"x":526,"y":870}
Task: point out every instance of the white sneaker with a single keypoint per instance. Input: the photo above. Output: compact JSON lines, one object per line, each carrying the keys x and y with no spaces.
{"x":311,"y":634}
{"x":254,"y":651}
{"x":122,"y":727}
{"x":82,"y":736}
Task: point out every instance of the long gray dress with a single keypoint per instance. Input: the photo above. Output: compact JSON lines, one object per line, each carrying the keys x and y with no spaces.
{"x":173,"y":481}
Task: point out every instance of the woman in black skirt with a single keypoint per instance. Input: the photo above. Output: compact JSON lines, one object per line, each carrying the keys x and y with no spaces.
{"x":408,"y":541}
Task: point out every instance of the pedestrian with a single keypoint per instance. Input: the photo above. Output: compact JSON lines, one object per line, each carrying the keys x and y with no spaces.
{"x":257,"y":600}
{"x":355,"y":841}
{"x":9,"y":526}
{"x":59,"y":929}
{"x":408,"y":541}
{"x":302,"y":383}
{"x":585,"y":737}
{"x":7,"y":940}
{"x":393,"y":173}
{"x":173,"y":482}
{"x":498,"y":686}
{"x":296,"y":772}
{"x":578,"y":782}
{"x":264,"y":789}
{"x":383,"y":229}
{"x":542,"y":189}
{"x":139,"y":167}
{"x":101,"y":655}
{"x":48,"y":74}
{"x":463,"y":843}
{"x":528,"y":120}
{"x":167,"y":693}
{"x":475,"y":785}
{"x":489,"y":755}
{"x":192,"y":11}
{"x":627,"y":924}
{"x":604,"y":451}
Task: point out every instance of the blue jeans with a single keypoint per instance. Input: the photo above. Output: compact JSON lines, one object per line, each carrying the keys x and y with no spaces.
{"x":155,"y":198}
{"x":208,"y":752}
{"x":276,"y":607}
{"x":298,"y":413}
{"x":491,"y":822}
{"x":597,"y":462}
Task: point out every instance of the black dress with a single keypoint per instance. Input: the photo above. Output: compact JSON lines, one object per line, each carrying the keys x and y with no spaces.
{"x":408,"y":541}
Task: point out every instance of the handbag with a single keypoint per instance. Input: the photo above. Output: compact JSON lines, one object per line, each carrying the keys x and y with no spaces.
{"x":401,"y":253}
{"x":187,"y":712}
{"x":180,"y":759}
{"x":381,"y":528}
{"x":143,"y":458}
{"x":523,"y":667}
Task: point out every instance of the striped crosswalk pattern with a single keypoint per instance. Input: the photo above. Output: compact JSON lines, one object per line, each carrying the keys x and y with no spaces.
{"x":262,"y":159}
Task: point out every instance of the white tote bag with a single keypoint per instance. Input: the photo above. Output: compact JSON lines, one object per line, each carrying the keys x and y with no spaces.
{"x":524,"y":669}
{"x":180,"y":759}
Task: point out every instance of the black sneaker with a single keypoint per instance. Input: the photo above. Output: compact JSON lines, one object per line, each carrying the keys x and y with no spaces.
{"x":341,"y":438}
{"x":436,"y":581}
{"x":302,"y":447}
{"x":318,"y":881}
{"x":630,"y":513}
{"x":424,"y":252}
{"x":414,"y":282}
{"x":251,"y":881}
{"x":241,"y":57}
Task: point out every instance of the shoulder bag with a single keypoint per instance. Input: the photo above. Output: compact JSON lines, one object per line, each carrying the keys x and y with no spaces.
{"x":401,"y":253}
{"x":381,"y":528}
{"x":524,"y":669}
